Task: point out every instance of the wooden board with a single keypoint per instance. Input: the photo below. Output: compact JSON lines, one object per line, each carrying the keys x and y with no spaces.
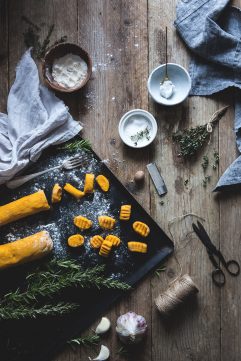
{"x":126,"y":40}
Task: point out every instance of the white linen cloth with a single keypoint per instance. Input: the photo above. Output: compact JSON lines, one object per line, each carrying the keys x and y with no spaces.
{"x":36,"y":119}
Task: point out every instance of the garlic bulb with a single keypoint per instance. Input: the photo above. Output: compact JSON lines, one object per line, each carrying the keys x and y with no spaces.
{"x":103,"y":326}
{"x":103,"y":355}
{"x":131,"y":328}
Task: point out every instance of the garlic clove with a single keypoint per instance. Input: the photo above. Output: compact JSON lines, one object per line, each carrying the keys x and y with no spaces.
{"x":103,"y":326}
{"x":103,"y":355}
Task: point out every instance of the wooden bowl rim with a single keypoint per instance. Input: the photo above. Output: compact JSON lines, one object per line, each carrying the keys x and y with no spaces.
{"x":59,"y":87}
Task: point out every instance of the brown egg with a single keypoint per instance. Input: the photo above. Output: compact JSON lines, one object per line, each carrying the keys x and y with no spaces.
{"x":139,"y":176}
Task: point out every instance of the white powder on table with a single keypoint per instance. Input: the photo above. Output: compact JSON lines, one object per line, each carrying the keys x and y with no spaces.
{"x":69,"y":71}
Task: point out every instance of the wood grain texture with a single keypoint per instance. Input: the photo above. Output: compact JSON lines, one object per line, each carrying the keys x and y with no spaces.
{"x":126,"y":41}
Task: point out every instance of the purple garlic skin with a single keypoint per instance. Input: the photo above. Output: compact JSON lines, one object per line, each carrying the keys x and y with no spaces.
{"x":131,"y":328}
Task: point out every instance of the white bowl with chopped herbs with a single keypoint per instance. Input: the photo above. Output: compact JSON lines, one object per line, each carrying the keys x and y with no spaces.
{"x":137,"y":128}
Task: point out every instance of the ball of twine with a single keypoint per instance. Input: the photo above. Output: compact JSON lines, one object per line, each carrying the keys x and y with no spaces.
{"x":176,"y":294}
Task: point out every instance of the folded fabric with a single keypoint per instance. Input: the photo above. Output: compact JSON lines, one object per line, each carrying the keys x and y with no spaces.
{"x":36,"y":119}
{"x":212,"y":30}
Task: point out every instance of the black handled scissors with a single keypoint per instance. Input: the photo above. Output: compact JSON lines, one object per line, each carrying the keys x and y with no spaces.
{"x":216,"y":257}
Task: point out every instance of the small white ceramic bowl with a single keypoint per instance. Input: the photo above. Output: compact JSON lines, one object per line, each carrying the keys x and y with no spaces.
{"x":178,"y":76}
{"x":136,"y":115}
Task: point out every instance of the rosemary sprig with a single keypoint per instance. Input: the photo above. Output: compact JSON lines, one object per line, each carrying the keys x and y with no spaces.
{"x":76,"y":145}
{"x":191,"y":140}
{"x":48,"y":283}
{"x":159,"y":270}
{"x":7,"y":312}
{"x":87,"y":341}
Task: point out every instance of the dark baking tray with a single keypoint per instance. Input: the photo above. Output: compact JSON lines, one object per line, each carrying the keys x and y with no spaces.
{"x":39,"y":339}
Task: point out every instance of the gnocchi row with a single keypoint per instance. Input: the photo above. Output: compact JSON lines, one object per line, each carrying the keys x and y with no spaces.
{"x":101,"y":180}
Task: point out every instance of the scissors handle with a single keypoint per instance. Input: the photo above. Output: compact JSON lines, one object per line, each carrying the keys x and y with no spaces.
{"x":218,"y":277}
{"x":232,"y":267}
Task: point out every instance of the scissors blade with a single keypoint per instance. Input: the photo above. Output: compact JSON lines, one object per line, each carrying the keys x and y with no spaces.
{"x":204,"y":238}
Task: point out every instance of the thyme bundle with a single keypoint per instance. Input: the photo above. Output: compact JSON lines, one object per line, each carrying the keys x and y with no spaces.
{"x":191,"y":140}
{"x":49,"y":282}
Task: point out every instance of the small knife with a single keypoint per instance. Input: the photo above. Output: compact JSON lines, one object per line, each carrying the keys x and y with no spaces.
{"x":157,"y":179}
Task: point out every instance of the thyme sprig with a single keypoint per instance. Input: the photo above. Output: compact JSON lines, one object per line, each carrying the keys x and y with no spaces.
{"x":191,"y":140}
{"x":141,"y":135}
{"x":32,"y":38}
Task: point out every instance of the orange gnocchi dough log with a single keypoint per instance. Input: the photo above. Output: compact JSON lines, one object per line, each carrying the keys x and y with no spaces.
{"x":25,"y":250}
{"x":23,"y":207}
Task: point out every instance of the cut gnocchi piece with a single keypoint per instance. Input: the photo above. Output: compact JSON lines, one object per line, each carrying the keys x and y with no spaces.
{"x":139,"y":247}
{"x":105,"y":248}
{"x":106,"y":222}
{"x":113,"y":239}
{"x":82,"y":222}
{"x":103,"y":183}
{"x":73,"y":191}
{"x":141,"y":228}
{"x":56,"y":193}
{"x":76,"y":240}
{"x":96,"y":241}
{"x":89,"y":183}
{"x":125,"y":212}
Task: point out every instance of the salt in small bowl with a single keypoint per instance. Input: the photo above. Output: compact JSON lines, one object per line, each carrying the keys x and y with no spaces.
{"x":137,"y":115}
{"x":178,"y":75}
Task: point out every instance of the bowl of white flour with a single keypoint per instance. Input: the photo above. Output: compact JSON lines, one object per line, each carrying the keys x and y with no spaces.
{"x":66,"y":67}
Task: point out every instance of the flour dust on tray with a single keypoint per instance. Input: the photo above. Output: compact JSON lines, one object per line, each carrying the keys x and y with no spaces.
{"x":69,"y":71}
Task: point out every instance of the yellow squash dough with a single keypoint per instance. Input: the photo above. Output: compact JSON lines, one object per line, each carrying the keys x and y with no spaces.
{"x":89,"y":183}
{"x":139,"y":247}
{"x":73,"y":191}
{"x":23,"y":207}
{"x":113,"y":239}
{"x":76,"y":240}
{"x":105,"y":248}
{"x":103,"y":182}
{"x":82,"y":222}
{"x":96,"y":241}
{"x":106,"y":222}
{"x":25,"y":250}
{"x":141,"y":228}
{"x":56,"y":193}
{"x":125,"y":212}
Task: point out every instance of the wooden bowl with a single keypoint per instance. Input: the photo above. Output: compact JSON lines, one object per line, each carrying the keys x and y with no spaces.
{"x":59,"y":51}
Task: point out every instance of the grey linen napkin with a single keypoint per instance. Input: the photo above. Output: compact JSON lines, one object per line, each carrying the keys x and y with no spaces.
{"x":36,"y":119}
{"x":212,"y":31}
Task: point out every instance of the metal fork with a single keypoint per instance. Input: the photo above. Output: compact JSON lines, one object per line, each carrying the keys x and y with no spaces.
{"x":67,"y":164}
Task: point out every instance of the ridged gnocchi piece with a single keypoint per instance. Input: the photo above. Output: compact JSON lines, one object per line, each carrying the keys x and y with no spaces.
{"x":141,"y":228}
{"x":56,"y":193}
{"x":89,"y":183}
{"x":125,"y":212}
{"x":76,"y":240}
{"x":113,"y":239}
{"x":105,"y":248}
{"x":73,"y":191}
{"x":106,"y":222}
{"x":96,"y":241}
{"x":139,"y":247}
{"x":82,"y":222}
{"x":103,"y":183}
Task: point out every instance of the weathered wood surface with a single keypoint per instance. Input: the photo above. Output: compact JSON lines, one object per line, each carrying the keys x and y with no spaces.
{"x":126,"y":40}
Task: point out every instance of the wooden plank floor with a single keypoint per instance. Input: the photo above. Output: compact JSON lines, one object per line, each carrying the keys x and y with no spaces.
{"x":126,"y":40}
